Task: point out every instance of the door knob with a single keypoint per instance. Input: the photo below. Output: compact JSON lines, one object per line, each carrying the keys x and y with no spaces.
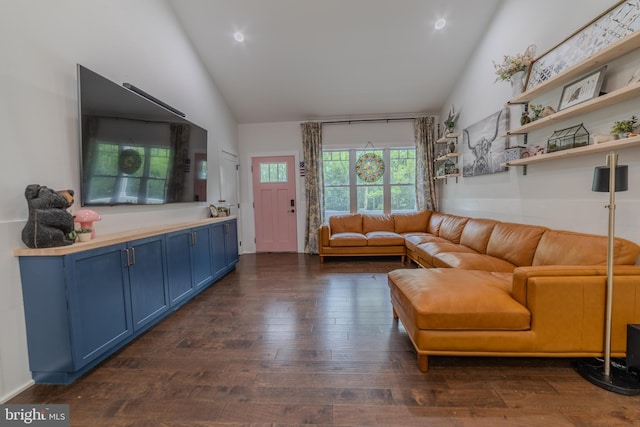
{"x":292,"y":210}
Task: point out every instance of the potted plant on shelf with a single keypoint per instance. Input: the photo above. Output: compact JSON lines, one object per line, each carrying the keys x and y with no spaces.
{"x":84,"y":234}
{"x":621,"y":128}
{"x":513,"y":69}
{"x":536,"y":110}
{"x":450,"y":121}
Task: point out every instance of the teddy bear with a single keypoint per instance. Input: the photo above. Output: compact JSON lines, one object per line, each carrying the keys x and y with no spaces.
{"x":49,"y":222}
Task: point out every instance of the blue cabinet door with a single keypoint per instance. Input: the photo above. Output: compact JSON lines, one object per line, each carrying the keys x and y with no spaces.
{"x":99,"y":302}
{"x":225,"y":246}
{"x":148,"y":280}
{"x":231,"y":243}
{"x":179,"y":270}
{"x":218,"y":249}
{"x":46,"y":310}
{"x":201,"y":256}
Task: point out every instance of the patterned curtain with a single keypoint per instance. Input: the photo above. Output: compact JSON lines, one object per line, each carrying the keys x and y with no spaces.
{"x":426,"y":196}
{"x":180,"y":152}
{"x":313,"y":183}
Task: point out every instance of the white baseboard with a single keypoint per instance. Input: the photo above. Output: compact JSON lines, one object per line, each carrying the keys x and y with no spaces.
{"x":16,"y":392}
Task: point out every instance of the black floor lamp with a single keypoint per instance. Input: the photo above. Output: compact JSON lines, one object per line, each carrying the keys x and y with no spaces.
{"x":604,"y":375}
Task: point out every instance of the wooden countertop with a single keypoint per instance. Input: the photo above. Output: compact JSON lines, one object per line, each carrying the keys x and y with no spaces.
{"x":115,"y":238}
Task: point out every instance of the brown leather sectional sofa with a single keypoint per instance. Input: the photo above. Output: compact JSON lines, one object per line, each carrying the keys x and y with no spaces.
{"x":492,"y":288}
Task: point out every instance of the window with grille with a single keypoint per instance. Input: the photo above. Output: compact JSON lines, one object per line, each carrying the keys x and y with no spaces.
{"x":345,"y":193}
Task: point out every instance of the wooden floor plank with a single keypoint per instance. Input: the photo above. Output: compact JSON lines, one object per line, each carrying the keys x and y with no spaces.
{"x":286,"y":341}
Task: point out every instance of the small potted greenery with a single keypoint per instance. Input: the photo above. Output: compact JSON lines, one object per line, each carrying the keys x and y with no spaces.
{"x":622,"y":128}
{"x":450,"y":121}
{"x":84,"y":234}
{"x":536,"y":110}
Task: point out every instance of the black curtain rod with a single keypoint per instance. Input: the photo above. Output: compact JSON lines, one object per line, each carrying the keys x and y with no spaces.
{"x":368,"y":120}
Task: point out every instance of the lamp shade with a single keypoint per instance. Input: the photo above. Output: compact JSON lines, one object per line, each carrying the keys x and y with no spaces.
{"x":601,"y":178}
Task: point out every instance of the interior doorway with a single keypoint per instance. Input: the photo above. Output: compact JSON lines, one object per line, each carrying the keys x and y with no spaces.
{"x":274,"y":195}
{"x":229,"y":180}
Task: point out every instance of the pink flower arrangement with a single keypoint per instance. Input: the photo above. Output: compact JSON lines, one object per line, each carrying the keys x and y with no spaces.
{"x":512,"y":64}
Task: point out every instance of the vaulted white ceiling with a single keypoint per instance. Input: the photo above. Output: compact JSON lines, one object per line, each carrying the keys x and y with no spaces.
{"x":311,"y":59}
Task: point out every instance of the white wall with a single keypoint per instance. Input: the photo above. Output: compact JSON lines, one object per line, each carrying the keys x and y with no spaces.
{"x":40,"y":44}
{"x":263,"y":140}
{"x":557,"y":193}
{"x":285,"y":138}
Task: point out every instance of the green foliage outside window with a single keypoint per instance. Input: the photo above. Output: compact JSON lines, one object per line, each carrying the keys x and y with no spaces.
{"x":107,"y":172}
{"x":273,"y":172}
{"x":369,"y":196}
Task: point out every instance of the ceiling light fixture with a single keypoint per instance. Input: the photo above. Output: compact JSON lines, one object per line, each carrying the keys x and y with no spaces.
{"x":440,"y":23}
{"x":238,"y":36}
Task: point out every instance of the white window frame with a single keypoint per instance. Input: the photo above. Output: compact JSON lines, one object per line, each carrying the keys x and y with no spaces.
{"x":354,"y":183}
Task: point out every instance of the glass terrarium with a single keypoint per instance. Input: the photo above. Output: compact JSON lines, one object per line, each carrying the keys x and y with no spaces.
{"x":563,"y":139}
{"x":450,"y":167}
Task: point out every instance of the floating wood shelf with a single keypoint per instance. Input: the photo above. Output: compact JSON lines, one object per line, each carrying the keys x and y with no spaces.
{"x":447,"y":137}
{"x":446,"y":177}
{"x":620,"y":95}
{"x":448,"y":156}
{"x":621,"y":47}
{"x":617,"y":144}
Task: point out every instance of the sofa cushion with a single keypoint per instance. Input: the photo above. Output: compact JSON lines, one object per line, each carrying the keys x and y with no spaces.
{"x":346,"y":223}
{"x":476,"y":234}
{"x":472,"y":261}
{"x":377,"y":223}
{"x":428,"y":250}
{"x":515,"y":243}
{"x":451,"y":227}
{"x":447,"y":299}
{"x":433,"y":225}
{"x":568,"y":248}
{"x":384,"y":238}
{"x":412,"y":240}
{"x":348,"y":239}
{"x":408,"y":222}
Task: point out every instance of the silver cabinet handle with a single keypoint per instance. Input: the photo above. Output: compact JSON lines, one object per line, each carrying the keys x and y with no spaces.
{"x":133,"y":256}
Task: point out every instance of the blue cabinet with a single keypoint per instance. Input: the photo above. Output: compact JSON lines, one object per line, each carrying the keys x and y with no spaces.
{"x":77,"y":310}
{"x":179,"y":266}
{"x":82,"y":305}
{"x":99,"y":301}
{"x":201,"y":254}
{"x":218,"y":249}
{"x":189,"y":262}
{"x":231,"y":243}
{"x":148,"y":280}
{"x":224,"y":246}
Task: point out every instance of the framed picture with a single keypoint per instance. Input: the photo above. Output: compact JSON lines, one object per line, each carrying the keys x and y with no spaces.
{"x":611,"y":26}
{"x":482,"y":146}
{"x":583,"y":89}
{"x":635,"y":77}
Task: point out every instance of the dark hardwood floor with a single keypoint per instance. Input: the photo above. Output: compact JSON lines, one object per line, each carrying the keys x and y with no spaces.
{"x":285,"y":340}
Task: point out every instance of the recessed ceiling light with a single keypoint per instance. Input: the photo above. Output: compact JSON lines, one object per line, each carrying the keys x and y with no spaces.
{"x":238,"y":36}
{"x":440,"y":23}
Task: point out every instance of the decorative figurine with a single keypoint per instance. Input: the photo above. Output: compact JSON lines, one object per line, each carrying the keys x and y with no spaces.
{"x":49,"y":223}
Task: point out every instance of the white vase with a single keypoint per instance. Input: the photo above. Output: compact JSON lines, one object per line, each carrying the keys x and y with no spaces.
{"x":84,"y":237}
{"x":517,"y":83}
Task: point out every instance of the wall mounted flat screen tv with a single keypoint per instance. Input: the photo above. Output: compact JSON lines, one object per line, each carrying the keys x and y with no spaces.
{"x":134,"y":151}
